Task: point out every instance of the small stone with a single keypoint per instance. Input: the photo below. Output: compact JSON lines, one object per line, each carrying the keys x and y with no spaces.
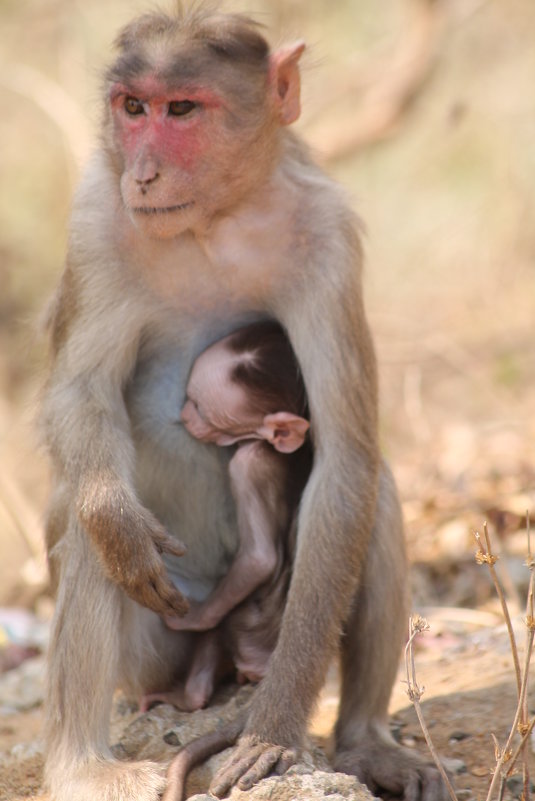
{"x":457,"y":736}
{"x":515,"y":785}
{"x":455,"y":766}
{"x":27,"y":750}
{"x":479,"y":770}
{"x":464,"y":795}
{"x":171,"y":738}
{"x":396,"y":730}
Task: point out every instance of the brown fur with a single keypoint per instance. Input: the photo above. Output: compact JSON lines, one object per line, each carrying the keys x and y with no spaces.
{"x":214,"y":247}
{"x":272,"y":379}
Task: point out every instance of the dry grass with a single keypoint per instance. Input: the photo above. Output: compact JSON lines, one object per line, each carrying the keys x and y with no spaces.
{"x":516,"y":746}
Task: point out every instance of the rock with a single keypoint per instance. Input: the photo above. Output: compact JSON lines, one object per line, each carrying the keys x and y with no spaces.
{"x":24,"y":687}
{"x":159,"y":733}
{"x":515,"y":785}
{"x":309,"y":787}
{"x":457,"y":736}
{"x":454,"y":766}
{"x":313,"y":786}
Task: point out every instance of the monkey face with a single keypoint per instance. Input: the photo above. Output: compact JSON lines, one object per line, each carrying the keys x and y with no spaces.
{"x":178,"y":150}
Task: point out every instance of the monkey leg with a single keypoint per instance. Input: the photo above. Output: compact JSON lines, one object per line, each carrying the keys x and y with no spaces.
{"x":370,"y":655}
{"x":209,"y":665}
{"x":99,"y":639}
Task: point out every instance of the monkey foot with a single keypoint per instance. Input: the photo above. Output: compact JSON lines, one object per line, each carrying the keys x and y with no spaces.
{"x":108,"y":780}
{"x":179,"y":698}
{"x":391,"y":771}
{"x":250,"y":762}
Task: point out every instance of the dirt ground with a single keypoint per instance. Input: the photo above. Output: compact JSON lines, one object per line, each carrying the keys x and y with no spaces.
{"x":470,"y":693}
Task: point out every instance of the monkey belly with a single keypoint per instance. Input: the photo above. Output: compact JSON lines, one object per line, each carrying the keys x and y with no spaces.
{"x":185,"y":483}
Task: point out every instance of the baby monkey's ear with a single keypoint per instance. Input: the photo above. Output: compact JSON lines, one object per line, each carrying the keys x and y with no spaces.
{"x":285,"y":431}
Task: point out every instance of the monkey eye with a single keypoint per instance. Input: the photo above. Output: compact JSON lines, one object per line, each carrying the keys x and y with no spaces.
{"x":179,"y":108}
{"x":133,"y":106}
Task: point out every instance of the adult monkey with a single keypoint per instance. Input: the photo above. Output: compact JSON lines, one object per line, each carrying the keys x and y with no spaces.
{"x":198,"y":213}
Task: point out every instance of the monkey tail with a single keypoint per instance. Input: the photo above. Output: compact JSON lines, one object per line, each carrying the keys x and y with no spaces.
{"x":198,"y":750}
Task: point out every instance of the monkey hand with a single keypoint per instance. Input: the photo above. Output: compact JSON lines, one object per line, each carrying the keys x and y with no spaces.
{"x":193,"y":620}
{"x":141,"y":573}
{"x":251,"y":761}
{"x":130,"y":543}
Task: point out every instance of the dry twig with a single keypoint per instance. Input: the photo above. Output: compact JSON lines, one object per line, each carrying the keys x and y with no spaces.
{"x":485,"y":556}
{"x":417,"y":625}
{"x":507,"y":757}
{"x":390,"y":95}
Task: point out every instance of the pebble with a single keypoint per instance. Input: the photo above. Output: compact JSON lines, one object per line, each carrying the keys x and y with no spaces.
{"x":457,"y":736}
{"x":396,"y":730}
{"x":171,"y":738}
{"x":24,"y":751}
{"x":455,"y":766}
{"x":515,"y":784}
{"x":23,"y":688}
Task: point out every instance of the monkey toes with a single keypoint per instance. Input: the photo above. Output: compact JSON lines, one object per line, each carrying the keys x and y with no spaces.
{"x":251,"y":761}
{"x":391,"y":771}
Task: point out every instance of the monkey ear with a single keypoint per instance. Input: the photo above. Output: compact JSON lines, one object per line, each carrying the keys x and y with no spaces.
{"x":285,"y":82}
{"x":285,"y":431}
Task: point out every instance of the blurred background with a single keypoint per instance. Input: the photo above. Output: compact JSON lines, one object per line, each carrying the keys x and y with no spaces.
{"x":425,"y":111}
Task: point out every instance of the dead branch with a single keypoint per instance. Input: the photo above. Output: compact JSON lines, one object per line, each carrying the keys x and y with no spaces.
{"x":417,"y":625}
{"x":53,"y":101}
{"x":485,"y":556}
{"x":386,"y":99}
{"x":506,"y":757}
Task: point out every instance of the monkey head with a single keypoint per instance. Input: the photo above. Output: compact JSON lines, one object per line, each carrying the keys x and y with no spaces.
{"x":182,"y":113}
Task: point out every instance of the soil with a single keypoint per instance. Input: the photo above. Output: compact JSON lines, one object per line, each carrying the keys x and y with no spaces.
{"x":469,"y":693}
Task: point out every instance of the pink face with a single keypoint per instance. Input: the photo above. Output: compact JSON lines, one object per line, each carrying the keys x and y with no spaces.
{"x":216,"y":408}
{"x":179,"y":153}
{"x":162,"y":136}
{"x":166,"y":125}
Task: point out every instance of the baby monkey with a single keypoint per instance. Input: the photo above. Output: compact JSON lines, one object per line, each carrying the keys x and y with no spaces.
{"x":247,"y":389}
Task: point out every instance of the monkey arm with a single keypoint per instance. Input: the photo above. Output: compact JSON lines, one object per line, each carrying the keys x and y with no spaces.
{"x":86,"y":425}
{"x":336,"y":514}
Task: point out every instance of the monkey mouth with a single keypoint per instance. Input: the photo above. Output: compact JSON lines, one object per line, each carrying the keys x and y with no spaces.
{"x":149,"y":210}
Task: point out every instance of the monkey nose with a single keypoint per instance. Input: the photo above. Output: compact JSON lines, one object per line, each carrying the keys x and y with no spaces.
{"x":144,"y":183}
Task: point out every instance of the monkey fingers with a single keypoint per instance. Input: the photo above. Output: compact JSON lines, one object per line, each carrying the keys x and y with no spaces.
{"x":151,"y":585}
{"x":162,"y":597}
{"x":144,"y":578}
{"x":166,"y":544}
{"x":251,"y":762}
